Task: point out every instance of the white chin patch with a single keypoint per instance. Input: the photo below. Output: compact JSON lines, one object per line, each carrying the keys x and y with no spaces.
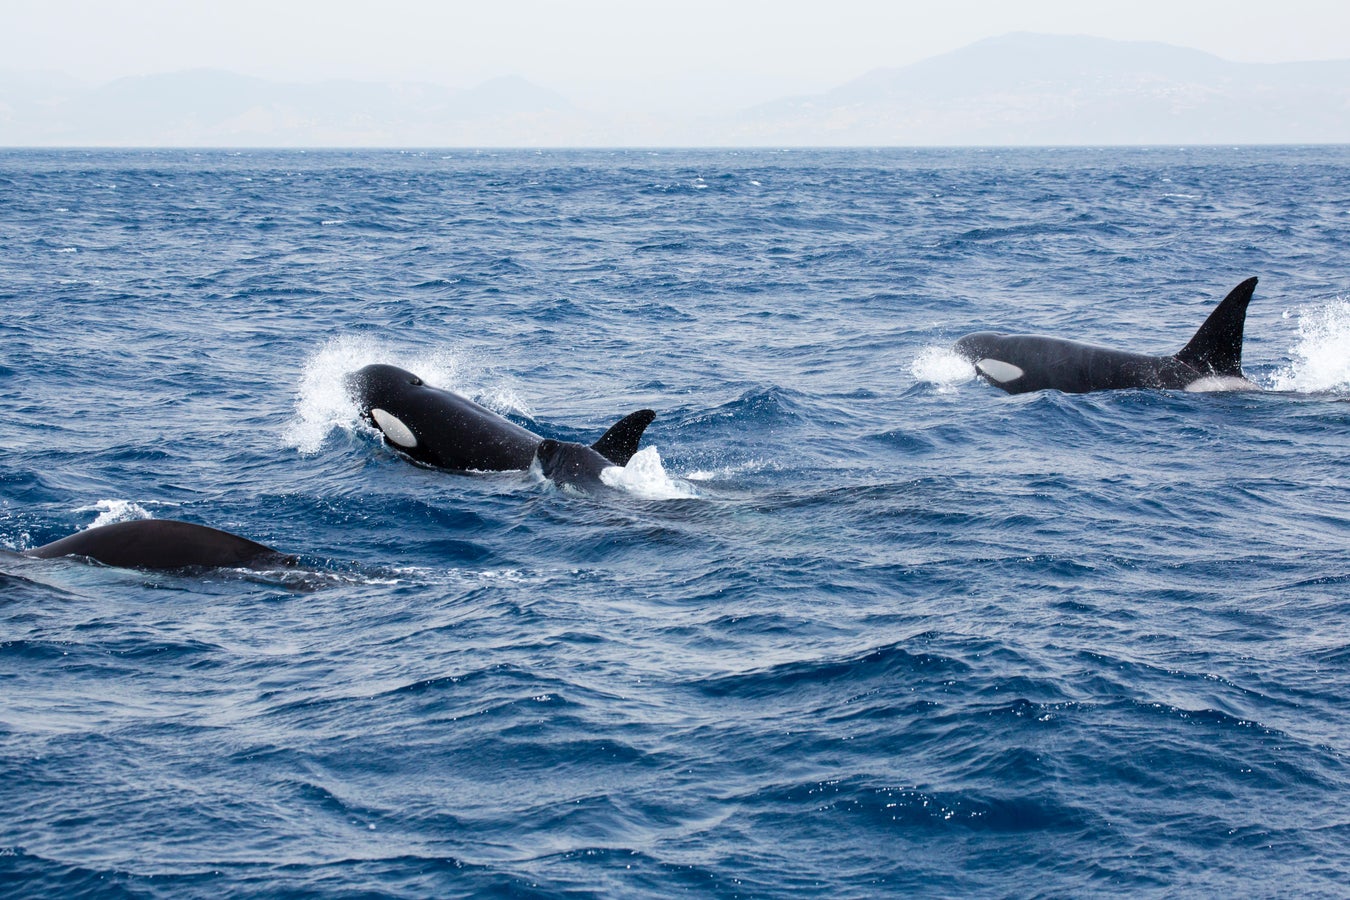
{"x":393,"y":429}
{"x":1000,"y":371}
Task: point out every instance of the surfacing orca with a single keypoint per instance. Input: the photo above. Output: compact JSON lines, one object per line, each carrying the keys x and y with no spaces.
{"x":568,"y":463}
{"x":164,"y":544}
{"x":1024,"y":362}
{"x":440,"y":428}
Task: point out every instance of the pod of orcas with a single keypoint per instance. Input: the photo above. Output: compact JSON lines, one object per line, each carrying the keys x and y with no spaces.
{"x":431,"y":426}
{"x":439,"y":428}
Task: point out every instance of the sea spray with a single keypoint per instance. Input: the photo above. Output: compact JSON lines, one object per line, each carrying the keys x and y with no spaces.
{"x":1321,"y":357}
{"x":646,"y":477}
{"x":941,"y":367}
{"x":112,"y":511}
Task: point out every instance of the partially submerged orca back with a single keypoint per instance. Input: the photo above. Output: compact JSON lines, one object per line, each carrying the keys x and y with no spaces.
{"x":571,"y":464}
{"x":164,"y":544}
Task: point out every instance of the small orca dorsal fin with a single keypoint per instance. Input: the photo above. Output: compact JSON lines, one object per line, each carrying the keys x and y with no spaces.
{"x":620,"y":443}
{"x":1217,"y":346}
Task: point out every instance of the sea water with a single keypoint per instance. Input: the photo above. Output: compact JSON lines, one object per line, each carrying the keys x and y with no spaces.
{"x":853,"y":623}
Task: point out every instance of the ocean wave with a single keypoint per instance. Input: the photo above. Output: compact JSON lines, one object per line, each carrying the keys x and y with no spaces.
{"x":857,"y":600}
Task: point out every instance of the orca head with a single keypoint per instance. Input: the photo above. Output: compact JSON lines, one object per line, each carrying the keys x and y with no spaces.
{"x":384,"y":395}
{"x":984,"y":351}
{"x":376,"y":383}
{"x":570,"y":464}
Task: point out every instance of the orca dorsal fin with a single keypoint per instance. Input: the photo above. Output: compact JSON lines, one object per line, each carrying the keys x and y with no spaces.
{"x":1217,"y":346}
{"x":620,"y":443}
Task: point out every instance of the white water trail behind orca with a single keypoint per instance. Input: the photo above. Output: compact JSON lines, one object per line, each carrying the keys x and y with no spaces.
{"x":645,"y":476}
{"x":1321,"y":357}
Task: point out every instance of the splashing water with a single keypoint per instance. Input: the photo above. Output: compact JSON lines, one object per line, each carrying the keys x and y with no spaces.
{"x":112,"y":511}
{"x":1321,"y":358}
{"x":646,"y":477}
{"x":729,"y":471}
{"x":942,"y":367}
{"x":504,"y":400}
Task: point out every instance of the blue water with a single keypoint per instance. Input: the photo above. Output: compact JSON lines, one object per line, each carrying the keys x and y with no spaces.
{"x":858,"y":625}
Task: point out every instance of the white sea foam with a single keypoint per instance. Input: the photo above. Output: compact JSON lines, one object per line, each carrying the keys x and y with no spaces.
{"x":943,"y":367}
{"x":17,"y":543}
{"x":646,"y":477}
{"x":723,"y":473}
{"x":1219,"y":383}
{"x":1321,"y":357}
{"x":110,"y":511}
{"x":425,"y":575}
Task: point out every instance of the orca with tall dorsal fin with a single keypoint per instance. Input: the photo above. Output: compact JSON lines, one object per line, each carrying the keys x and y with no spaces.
{"x":1024,"y":362}
{"x":442,"y":429}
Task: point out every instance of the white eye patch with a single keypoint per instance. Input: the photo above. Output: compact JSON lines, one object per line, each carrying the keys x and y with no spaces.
{"x":393,"y":429}
{"x":1000,"y":371}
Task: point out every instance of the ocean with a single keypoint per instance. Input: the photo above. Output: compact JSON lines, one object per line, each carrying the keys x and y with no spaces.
{"x":854,"y":623}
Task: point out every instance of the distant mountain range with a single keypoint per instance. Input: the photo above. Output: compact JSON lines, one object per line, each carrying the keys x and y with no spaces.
{"x":222,"y":109}
{"x":1047,"y":89}
{"x":1019,"y":89}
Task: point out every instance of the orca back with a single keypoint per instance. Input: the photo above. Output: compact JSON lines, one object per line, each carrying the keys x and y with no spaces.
{"x":163,"y":544}
{"x":568,"y":463}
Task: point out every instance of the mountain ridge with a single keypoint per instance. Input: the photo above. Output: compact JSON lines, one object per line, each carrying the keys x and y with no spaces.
{"x":1014,"y":89}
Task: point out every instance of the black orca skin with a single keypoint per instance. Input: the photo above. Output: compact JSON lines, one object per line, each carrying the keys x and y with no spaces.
{"x":164,"y":544}
{"x":440,"y":428}
{"x":568,"y":463}
{"x":1018,"y":363}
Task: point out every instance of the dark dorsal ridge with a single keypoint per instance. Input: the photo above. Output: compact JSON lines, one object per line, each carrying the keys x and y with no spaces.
{"x":620,"y":443}
{"x":1217,"y":346}
{"x":162,"y":544}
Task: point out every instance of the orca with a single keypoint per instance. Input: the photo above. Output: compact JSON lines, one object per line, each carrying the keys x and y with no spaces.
{"x":440,"y":428}
{"x":571,"y":464}
{"x":1026,"y":362}
{"x":164,"y":544}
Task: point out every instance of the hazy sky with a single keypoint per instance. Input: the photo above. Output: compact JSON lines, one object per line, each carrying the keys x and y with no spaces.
{"x":714,"y":52}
